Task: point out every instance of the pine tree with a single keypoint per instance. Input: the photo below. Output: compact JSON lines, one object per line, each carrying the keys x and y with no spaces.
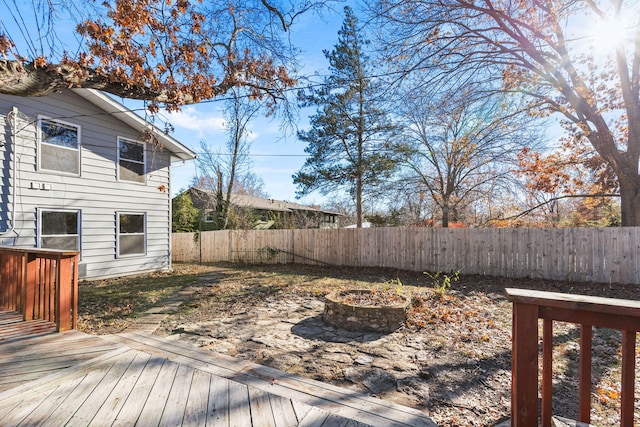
{"x":346,"y":142}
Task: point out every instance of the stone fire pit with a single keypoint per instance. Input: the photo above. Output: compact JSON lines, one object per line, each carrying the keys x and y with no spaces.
{"x":365,"y":310}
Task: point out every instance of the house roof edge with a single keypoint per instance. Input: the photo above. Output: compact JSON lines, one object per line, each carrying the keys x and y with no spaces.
{"x":124,"y":114}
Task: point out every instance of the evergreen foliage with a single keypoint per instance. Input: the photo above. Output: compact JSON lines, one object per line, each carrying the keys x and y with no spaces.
{"x":347,"y":140}
{"x":184,"y":216}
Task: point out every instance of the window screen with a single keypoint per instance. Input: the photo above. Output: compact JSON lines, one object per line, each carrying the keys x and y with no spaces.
{"x":131,"y":161}
{"x":60,"y":230}
{"x":131,"y":234}
{"x":59,"y":146}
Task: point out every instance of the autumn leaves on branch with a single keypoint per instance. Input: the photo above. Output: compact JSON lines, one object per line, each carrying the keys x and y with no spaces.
{"x":169,"y":53}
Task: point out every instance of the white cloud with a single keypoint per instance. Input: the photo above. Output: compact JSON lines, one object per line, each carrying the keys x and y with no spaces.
{"x":192,"y":119}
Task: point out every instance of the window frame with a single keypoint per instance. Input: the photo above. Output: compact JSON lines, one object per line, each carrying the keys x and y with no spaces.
{"x":40,"y":141}
{"x":143,"y":162}
{"x":40,"y":233}
{"x":118,"y":234}
{"x":209,"y":216}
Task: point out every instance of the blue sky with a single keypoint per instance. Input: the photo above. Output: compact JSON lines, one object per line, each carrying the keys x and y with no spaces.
{"x":275,"y":156}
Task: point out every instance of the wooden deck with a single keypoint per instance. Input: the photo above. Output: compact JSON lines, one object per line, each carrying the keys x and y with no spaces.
{"x":77,"y":379}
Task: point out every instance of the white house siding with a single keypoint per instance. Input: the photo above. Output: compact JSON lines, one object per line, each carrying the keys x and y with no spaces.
{"x":96,"y":192}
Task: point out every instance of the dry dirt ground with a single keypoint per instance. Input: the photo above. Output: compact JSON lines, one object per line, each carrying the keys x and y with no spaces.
{"x":451,"y":360}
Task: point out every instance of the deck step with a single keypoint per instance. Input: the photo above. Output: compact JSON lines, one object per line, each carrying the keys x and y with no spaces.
{"x":12,"y":326}
{"x":21,"y":329}
{"x":9,"y":317}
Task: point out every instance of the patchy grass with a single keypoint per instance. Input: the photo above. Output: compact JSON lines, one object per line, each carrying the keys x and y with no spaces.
{"x":109,"y":305}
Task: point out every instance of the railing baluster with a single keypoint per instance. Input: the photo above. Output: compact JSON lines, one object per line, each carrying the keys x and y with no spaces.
{"x":39,"y":290}
{"x":50,"y":283}
{"x":584,"y":381}
{"x":628,"y":377}
{"x":547,"y":371}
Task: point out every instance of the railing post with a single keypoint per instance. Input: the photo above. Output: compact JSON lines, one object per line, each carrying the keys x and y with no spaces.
{"x":524,"y":377}
{"x":29,"y":282}
{"x":74,"y":293}
{"x":64,"y":288}
{"x":628,"y":377}
{"x":547,"y":372}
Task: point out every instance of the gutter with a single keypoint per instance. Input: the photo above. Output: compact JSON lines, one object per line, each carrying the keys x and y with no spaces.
{"x":12,"y":117}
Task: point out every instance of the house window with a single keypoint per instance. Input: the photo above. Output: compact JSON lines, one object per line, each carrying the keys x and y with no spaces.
{"x":59,"y":146}
{"x":209,"y":216}
{"x":60,"y":230}
{"x":131,"y":164}
{"x":131,"y":234}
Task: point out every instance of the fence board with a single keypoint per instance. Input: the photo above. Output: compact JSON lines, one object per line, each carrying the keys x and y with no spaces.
{"x":577,"y":254}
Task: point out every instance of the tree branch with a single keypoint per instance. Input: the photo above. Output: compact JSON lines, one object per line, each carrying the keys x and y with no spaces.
{"x":275,"y":12}
{"x":553,"y":199}
{"x":20,"y":79}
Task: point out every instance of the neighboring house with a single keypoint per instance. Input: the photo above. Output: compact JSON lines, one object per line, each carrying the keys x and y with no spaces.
{"x":268,"y":213}
{"x":77,"y":174}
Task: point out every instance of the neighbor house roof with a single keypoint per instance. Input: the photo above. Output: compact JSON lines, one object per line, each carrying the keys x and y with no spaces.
{"x":245,"y":201}
{"x":122,"y":113}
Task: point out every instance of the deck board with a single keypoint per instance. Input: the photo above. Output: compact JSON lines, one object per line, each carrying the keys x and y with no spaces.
{"x":137,"y":399}
{"x":218,"y":407}
{"x":239,"y":409}
{"x":40,"y":414}
{"x":157,"y":401}
{"x":143,"y":380}
{"x":343,"y":402}
{"x":98,"y":396}
{"x":197,"y":403}
{"x":261,"y":412}
{"x":116,"y":400}
{"x":64,"y":412}
{"x":282,"y":410}
{"x":177,"y":400}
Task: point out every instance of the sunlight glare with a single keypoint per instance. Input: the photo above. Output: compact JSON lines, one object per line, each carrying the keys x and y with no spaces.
{"x":608,"y":34}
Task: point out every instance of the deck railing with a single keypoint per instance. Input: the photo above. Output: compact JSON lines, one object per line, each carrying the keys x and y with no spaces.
{"x":528,"y":307}
{"x":40,"y":284}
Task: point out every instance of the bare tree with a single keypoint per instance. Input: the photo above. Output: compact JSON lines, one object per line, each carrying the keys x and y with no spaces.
{"x":460,"y":145}
{"x":545,"y":50}
{"x":230,"y":172}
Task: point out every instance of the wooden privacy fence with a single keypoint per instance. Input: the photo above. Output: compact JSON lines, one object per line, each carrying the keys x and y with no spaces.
{"x":40,"y":284}
{"x":610,"y":255}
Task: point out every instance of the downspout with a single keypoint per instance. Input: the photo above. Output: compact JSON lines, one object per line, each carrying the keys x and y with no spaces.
{"x":12,"y":117}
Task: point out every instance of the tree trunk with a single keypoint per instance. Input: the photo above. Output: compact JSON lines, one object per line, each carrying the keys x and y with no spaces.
{"x":445,"y":216}
{"x":359,"y":203}
{"x":630,"y":202}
